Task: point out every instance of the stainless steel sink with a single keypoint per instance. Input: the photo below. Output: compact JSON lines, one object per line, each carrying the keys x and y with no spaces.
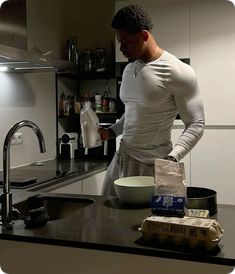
{"x":56,"y":207}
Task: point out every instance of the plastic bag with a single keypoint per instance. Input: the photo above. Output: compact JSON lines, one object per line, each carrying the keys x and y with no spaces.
{"x":170,"y":188}
{"x":89,"y":126}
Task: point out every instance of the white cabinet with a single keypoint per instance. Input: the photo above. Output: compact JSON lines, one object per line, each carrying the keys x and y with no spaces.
{"x":91,"y":261}
{"x":73,"y":188}
{"x":89,"y":186}
{"x":93,"y":185}
{"x":171,"y":20}
{"x":212,"y":57}
{"x":213,"y":164}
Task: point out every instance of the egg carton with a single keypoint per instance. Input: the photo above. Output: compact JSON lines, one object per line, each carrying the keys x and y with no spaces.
{"x":193,"y":231}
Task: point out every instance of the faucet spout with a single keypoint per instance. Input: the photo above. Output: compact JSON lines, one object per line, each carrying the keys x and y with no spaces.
{"x":6,"y":195}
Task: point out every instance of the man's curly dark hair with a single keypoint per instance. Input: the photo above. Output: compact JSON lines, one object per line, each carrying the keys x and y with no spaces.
{"x":132,"y":19}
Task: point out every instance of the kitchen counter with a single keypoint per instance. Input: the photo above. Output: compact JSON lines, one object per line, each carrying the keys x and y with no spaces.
{"x":108,"y":225}
{"x":52,"y":172}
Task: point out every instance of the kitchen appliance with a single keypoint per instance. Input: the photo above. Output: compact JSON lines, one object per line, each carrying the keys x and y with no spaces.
{"x":105,"y":151}
{"x":68,"y":145}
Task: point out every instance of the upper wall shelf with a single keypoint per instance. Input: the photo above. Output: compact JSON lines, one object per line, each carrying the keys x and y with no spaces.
{"x":88,"y":75}
{"x":70,"y":75}
{"x":96,"y":75}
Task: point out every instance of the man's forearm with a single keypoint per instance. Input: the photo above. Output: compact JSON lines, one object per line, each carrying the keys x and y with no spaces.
{"x":189,"y":138}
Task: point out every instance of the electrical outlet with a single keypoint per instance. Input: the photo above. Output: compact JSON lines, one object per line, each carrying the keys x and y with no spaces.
{"x":17,"y":139}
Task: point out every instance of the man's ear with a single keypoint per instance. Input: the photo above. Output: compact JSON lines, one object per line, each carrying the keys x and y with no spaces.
{"x":145,"y":35}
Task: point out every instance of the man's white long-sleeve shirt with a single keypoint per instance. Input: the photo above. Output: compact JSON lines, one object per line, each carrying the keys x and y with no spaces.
{"x":153,"y":94}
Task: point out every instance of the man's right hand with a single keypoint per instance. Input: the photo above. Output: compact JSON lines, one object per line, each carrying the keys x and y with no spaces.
{"x":106,"y":133}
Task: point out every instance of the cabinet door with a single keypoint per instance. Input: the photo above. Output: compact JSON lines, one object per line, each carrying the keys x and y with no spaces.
{"x":212,"y":29}
{"x":74,"y":188}
{"x":93,"y":184}
{"x":213,"y":163}
{"x":171,"y":24}
{"x":175,"y":134}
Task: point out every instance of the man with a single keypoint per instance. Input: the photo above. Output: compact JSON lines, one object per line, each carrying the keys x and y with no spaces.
{"x":156,"y":86}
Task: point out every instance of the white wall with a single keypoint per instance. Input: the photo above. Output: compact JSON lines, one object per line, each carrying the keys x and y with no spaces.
{"x":51,"y":22}
{"x":90,"y":22}
{"x":30,"y":97}
{"x":45,"y":26}
{"x":212,"y":56}
{"x":171,"y":27}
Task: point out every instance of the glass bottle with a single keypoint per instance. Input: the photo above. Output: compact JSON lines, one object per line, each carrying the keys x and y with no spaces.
{"x":105,"y":102}
{"x":61,"y":104}
{"x":98,"y":102}
{"x":67,"y":106}
{"x":87,"y":61}
{"x":77,"y":105}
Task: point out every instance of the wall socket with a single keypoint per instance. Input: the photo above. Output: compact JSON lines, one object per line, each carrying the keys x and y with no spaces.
{"x":17,"y":138}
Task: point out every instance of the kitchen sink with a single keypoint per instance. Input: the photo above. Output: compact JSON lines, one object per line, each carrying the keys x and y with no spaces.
{"x":56,"y":207}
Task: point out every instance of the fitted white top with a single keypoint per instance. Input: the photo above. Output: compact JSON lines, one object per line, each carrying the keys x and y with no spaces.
{"x":153,"y":94}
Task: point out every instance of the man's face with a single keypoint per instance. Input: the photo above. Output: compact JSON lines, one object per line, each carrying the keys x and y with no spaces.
{"x":131,"y":45}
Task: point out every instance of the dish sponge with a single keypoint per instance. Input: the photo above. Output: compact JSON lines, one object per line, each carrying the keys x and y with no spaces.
{"x":37,"y":212}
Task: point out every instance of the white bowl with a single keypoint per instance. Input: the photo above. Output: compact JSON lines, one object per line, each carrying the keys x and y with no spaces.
{"x":135,"y":189}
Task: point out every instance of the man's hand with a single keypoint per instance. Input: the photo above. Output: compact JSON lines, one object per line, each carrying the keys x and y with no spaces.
{"x":170,"y":158}
{"x":106,"y":133}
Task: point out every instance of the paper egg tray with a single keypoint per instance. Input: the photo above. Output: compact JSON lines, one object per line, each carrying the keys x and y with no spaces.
{"x":193,"y":231}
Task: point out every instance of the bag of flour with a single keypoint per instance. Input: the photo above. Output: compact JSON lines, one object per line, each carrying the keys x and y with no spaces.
{"x":170,"y":188}
{"x":89,"y":127}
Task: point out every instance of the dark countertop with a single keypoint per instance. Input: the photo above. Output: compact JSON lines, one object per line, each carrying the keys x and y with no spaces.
{"x":55,"y":171}
{"x":108,"y":225}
